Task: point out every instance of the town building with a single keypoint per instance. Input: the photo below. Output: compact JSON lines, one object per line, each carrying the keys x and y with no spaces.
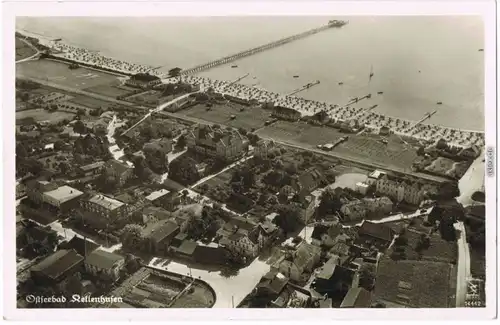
{"x":272,"y":284}
{"x":326,"y":234}
{"x":227,"y":144}
{"x":160,"y":235}
{"x":374,"y":176}
{"x":245,"y":238}
{"x":400,"y":190}
{"x":103,"y":211}
{"x":56,"y":267}
{"x":414,"y":284}
{"x":100,"y":263}
{"x":28,"y":233}
{"x":121,"y":171}
{"x":286,"y":113}
{"x":143,"y":81}
{"x":357,"y":298}
{"x":298,"y":265}
{"x":263,"y":147}
{"x":374,"y":234}
{"x":164,"y":198}
{"x":54,"y":197}
{"x":81,"y":245}
{"x":91,"y":169}
{"x":335,"y":280}
{"x":308,"y":181}
{"x":362,"y":187}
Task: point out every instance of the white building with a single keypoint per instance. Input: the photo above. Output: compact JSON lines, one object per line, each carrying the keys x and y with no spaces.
{"x":362,"y":187}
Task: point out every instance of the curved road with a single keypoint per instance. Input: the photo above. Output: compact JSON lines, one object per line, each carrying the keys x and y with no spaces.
{"x":37,"y":52}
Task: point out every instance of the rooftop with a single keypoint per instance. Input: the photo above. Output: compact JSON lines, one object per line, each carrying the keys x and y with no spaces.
{"x":376,"y":174}
{"x":63,"y":193}
{"x":414,"y":284}
{"x":376,"y":230}
{"x":57,"y":263}
{"x":106,"y":202}
{"x":82,"y":246}
{"x":102,"y":259}
{"x":187,"y":247}
{"x":166,"y":229}
{"x":97,"y":164}
{"x":157,"y":194}
{"x":357,"y":298}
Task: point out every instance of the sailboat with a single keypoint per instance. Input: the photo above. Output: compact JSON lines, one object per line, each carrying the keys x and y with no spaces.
{"x":371,"y":73}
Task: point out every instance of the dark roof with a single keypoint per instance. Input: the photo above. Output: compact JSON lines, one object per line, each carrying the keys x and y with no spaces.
{"x":102,"y":259}
{"x":82,"y":246}
{"x":187,"y":247}
{"x":319,"y":230}
{"x":273,"y":281}
{"x":164,"y":231}
{"x":325,"y":303}
{"x":210,"y":255}
{"x":357,"y":298}
{"x":286,"y":110}
{"x":144,"y":77}
{"x":376,"y":230}
{"x":57,"y":263}
{"x":414,"y":284}
{"x":39,"y":233}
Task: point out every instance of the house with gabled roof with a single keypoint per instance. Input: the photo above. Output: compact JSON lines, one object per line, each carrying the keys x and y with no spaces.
{"x":227,"y":144}
{"x":101,"y":262}
{"x":374,"y":234}
{"x":298,"y":264}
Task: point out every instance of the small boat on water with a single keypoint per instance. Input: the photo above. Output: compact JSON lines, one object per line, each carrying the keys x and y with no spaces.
{"x":296,"y":76}
{"x":234,"y":66}
{"x":481,"y":50}
{"x":341,"y":83}
{"x":58,"y":40}
{"x":380,"y":92}
{"x":439,"y":103}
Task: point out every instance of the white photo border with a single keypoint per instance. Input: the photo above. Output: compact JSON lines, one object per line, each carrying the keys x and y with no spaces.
{"x":240,"y":8}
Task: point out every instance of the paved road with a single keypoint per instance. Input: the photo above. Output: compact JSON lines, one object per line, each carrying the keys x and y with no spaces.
{"x":31,"y":57}
{"x":463,"y":265}
{"x":276,"y":140}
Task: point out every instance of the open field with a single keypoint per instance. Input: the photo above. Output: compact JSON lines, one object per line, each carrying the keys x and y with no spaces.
{"x":249,"y":118}
{"x":88,"y":101}
{"x":60,"y":73}
{"x":364,"y":147}
{"x":43,"y":115}
{"x":112,"y":89}
{"x":147,"y":98}
{"x":23,"y":50}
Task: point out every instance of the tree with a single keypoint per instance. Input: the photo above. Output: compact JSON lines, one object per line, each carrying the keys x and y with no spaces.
{"x":242,"y":131}
{"x":288,"y":218}
{"x":448,"y":190}
{"x":181,"y":142}
{"x":423,"y":243}
{"x":447,"y":230}
{"x":367,"y":277}
{"x":81,"y":112}
{"x":79,"y":127}
{"x":132,"y":236}
{"x":401,"y":240}
{"x":329,"y":203}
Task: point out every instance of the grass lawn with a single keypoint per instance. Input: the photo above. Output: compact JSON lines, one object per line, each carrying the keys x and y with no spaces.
{"x":363,"y":147}
{"x":111,"y":90}
{"x":250,"y":117}
{"x":89,"y":101}
{"x":147,"y":98}
{"x":23,"y":50}
{"x":43,"y":115}
{"x":60,"y":73}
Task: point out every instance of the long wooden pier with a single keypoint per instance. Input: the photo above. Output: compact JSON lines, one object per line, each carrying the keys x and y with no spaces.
{"x":255,"y":50}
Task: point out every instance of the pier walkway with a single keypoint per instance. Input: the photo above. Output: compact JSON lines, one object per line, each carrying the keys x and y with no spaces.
{"x":255,"y":50}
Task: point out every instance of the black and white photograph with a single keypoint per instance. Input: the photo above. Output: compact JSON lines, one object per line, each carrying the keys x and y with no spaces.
{"x":265,"y":161}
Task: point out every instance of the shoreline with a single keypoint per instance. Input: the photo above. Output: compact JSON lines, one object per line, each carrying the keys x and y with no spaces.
{"x":337,"y":113}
